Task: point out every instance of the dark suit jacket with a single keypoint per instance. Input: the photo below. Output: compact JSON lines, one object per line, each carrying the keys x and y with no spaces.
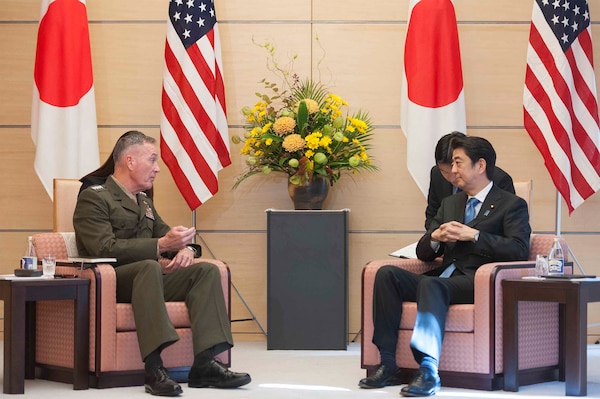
{"x":440,"y":188}
{"x":503,"y":222}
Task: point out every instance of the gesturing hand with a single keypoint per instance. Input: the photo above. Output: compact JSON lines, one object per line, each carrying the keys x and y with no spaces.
{"x":176,"y":239}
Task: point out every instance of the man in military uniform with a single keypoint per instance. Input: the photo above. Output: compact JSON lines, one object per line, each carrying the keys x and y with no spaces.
{"x":155,"y":263}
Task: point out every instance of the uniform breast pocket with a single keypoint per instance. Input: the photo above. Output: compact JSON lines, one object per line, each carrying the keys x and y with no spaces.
{"x":124,"y":227}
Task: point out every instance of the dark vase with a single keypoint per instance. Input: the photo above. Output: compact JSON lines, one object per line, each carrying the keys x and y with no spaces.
{"x":309,"y":195}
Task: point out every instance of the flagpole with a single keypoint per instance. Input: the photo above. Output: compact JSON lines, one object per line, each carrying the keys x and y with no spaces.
{"x":558,"y":229}
{"x":239,"y":294}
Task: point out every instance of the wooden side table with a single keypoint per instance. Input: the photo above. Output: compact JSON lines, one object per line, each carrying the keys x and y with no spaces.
{"x":19,"y":296}
{"x":573,"y":297}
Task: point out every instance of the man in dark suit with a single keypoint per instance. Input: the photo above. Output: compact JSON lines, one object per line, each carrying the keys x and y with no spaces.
{"x":442,"y":182}
{"x":478,"y":225}
{"x":155,"y":263}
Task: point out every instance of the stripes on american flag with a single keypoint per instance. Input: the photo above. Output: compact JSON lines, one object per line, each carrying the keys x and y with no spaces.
{"x":559,"y":101}
{"x":194,"y":139}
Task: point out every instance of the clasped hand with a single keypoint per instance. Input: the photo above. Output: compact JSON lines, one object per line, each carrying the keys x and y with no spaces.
{"x":453,"y":231}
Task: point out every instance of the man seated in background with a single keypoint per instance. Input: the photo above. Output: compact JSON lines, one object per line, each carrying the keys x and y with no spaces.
{"x":442,"y":182}
{"x":155,"y":263}
{"x":480,"y":224}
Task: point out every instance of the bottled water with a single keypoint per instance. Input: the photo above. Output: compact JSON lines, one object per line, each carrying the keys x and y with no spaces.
{"x":556,"y":260}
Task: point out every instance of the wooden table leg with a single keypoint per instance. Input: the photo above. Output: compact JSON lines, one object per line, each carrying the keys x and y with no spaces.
{"x":81,"y":344}
{"x":14,"y":342}
{"x":576,"y":345}
{"x":510,"y":331}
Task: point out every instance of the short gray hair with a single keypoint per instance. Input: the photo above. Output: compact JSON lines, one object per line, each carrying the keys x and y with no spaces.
{"x":130,"y":138}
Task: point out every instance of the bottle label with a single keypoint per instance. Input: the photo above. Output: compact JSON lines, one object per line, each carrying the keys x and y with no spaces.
{"x":556,"y":266}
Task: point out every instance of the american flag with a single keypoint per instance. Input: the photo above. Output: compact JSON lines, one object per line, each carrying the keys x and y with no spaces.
{"x":559,"y":101}
{"x":194,"y":139}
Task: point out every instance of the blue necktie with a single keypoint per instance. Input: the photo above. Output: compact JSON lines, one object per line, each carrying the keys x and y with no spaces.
{"x":470,"y":211}
{"x":469,"y":215}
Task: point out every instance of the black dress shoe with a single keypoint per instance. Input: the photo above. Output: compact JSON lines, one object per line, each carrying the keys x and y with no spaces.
{"x":158,"y":382}
{"x":215,"y":375}
{"x":425,"y":383}
{"x":382,"y":377}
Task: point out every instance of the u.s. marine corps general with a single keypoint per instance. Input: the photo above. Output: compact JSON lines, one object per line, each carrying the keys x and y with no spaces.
{"x":155,"y":263}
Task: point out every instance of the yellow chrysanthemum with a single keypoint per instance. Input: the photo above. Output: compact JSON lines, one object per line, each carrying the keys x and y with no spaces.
{"x":325,"y":142}
{"x":269,"y":141}
{"x":261,"y":116}
{"x":313,"y":139}
{"x":284,"y":125}
{"x":333,"y":103}
{"x":311,"y":105}
{"x":293,"y":143}
{"x":359,"y":124}
{"x":309,"y":153}
{"x":266,"y":127}
{"x":255,"y":131}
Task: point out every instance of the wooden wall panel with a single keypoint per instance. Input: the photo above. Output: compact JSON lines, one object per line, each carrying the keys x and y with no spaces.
{"x":16,"y":73}
{"x":20,"y":10}
{"x":386,"y":207}
{"x":356,"y":10}
{"x":128,"y":62}
{"x":104,"y":10}
{"x":264,"y":11}
{"x":366,"y":77}
{"x":23,"y":201}
{"x":245,"y":62}
{"x":493,"y":77}
{"x":13,"y":246}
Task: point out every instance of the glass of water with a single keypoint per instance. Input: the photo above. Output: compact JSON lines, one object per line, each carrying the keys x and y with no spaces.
{"x":49,"y":265}
{"x":541,"y":265}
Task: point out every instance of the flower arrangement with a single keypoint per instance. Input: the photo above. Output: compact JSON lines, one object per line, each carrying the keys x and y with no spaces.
{"x":304,"y":131}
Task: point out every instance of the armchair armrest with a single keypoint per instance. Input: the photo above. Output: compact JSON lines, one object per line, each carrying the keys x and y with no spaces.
{"x":488,"y":307}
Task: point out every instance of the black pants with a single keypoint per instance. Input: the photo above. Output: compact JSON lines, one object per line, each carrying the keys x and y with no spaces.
{"x":433,"y":295}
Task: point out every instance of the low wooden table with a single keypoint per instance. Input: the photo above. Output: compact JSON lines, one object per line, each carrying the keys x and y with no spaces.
{"x":573,"y":297}
{"x":19,"y":296}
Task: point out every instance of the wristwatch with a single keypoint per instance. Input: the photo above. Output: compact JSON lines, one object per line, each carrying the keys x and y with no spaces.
{"x":191,"y":248}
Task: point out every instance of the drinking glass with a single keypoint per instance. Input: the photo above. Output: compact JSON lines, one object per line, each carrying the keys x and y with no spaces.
{"x":49,"y":265}
{"x":541,"y":265}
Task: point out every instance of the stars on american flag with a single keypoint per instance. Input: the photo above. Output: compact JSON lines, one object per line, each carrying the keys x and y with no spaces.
{"x":566,"y":19}
{"x":192,"y":19}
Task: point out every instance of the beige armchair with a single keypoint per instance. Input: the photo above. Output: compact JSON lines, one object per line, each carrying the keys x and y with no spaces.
{"x":472,"y":348}
{"x":114,"y":351}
